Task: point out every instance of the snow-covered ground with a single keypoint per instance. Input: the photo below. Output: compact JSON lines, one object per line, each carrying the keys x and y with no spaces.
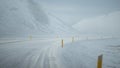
{"x":48,"y":53}
{"x":84,"y":54}
{"x":30,"y":37}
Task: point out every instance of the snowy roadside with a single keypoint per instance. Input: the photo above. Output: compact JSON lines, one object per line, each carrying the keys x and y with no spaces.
{"x":14,"y":40}
{"x":84,"y":54}
{"x":9,"y":40}
{"x":48,"y":53}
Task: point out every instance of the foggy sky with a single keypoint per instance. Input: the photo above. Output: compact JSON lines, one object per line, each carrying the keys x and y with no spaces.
{"x":73,"y":11}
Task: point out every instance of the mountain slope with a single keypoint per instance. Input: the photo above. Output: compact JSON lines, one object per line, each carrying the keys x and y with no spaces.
{"x":26,"y":17}
{"x":101,"y":25}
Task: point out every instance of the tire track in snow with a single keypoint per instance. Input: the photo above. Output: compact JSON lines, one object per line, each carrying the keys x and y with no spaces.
{"x":53,"y":57}
{"x":42,"y":57}
{"x":45,"y":58}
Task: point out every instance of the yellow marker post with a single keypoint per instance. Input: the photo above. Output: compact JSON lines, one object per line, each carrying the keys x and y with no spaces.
{"x":99,"y":63}
{"x":57,"y":36}
{"x":30,"y":37}
{"x":62,"y":43}
{"x":72,"y":39}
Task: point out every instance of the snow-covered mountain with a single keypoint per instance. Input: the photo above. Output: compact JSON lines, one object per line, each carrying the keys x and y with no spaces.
{"x":101,"y":25}
{"x":59,"y":27}
{"x":26,"y":17}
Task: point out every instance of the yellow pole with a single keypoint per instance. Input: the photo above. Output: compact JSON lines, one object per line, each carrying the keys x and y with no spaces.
{"x":62,"y":43}
{"x":30,"y":37}
{"x":99,"y":63}
{"x":57,"y":36}
{"x":72,"y":39}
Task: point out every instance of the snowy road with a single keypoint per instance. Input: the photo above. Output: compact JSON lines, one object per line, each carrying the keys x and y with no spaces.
{"x":47,"y":53}
{"x":29,"y":54}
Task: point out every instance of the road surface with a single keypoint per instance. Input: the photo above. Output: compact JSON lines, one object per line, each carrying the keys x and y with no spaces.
{"x":48,"y":53}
